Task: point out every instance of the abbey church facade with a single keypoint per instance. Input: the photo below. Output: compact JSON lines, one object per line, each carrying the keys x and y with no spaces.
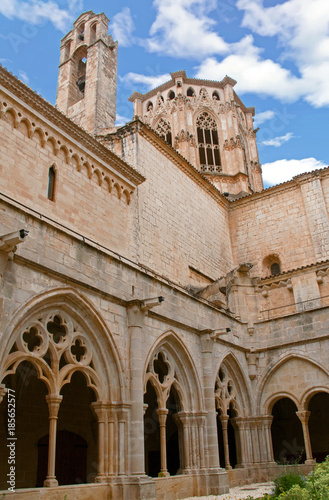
{"x":164,"y":326}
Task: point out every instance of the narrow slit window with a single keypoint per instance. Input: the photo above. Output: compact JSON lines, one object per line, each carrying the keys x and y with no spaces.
{"x":51,"y":184}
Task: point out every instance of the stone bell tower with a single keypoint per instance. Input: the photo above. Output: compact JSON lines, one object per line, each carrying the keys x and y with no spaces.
{"x":87,"y":80}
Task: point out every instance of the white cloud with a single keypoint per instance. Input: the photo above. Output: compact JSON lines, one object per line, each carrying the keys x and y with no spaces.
{"x":184,"y":29}
{"x":37,"y":11}
{"x":121,"y":120}
{"x":301,"y":27}
{"x":254,"y":74}
{"x":264,"y":116}
{"x":122,"y":26}
{"x":278,"y":141}
{"x":149,"y":82}
{"x":284,"y":170}
{"x":23,"y":76}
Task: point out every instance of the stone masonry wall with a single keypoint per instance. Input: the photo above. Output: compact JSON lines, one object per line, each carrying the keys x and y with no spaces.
{"x":89,"y":197}
{"x":274,"y":222}
{"x":179,"y":223}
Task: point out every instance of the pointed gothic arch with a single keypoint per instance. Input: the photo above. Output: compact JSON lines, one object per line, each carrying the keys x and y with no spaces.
{"x":61,"y":336}
{"x":170,"y":371}
{"x":233,"y":404}
{"x":163,"y":128}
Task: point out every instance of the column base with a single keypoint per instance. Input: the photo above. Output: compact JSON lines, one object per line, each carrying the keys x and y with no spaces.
{"x":163,"y":474}
{"x":310,"y":461}
{"x":100,"y":479}
{"x":228,"y":467}
{"x":50,"y":482}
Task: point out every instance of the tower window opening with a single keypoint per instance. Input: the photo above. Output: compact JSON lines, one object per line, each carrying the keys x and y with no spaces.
{"x":149,"y":106}
{"x":67,"y":50}
{"x":81,"y":81}
{"x":51,"y":184}
{"x":163,"y":128}
{"x":81,"y":32}
{"x":171,"y":95}
{"x":208,"y":143}
{"x":190,"y":92}
{"x":93,"y":33}
{"x":215,"y":96}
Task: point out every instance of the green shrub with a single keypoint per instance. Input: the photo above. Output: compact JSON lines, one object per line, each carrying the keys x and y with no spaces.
{"x":284,"y":482}
{"x":316,"y":486}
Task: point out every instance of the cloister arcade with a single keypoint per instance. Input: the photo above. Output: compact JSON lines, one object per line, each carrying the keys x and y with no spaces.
{"x":73,"y":412}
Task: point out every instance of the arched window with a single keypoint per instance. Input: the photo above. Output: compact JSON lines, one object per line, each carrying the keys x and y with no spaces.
{"x":171,"y":95}
{"x":93,"y":32}
{"x":215,"y":96}
{"x":272,"y":265}
{"x":81,"y":32}
{"x":67,"y":50}
{"x":190,"y":92}
{"x":275,"y":268}
{"x":149,"y":106}
{"x":81,"y":81}
{"x":208,"y":145}
{"x":163,"y":128}
{"x":51,"y":184}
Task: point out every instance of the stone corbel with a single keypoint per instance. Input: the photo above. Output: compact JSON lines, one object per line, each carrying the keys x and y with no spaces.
{"x":320,"y":275}
{"x":252,"y":359}
{"x":8,"y":246}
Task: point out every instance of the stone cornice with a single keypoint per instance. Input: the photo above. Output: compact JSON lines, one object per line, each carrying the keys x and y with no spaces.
{"x":285,"y":276}
{"x":190,"y":81}
{"x":137,"y":126}
{"x":284,"y":186}
{"x":21,"y":91}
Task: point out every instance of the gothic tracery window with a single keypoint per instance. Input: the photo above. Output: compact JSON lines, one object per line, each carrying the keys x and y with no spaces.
{"x":208,"y":144}
{"x":163,"y":128}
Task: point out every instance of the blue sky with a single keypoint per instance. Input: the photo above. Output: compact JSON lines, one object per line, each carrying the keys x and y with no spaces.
{"x":278,"y":51}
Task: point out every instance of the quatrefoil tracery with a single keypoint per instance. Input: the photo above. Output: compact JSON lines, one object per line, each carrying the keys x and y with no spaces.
{"x":55,"y":340}
{"x":225,"y":392}
{"x":161,"y":373}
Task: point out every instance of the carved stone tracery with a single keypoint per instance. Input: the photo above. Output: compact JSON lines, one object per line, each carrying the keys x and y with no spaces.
{"x":57,"y":346}
{"x":225,"y":392}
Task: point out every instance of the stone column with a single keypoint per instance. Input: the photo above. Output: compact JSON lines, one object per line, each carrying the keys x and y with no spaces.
{"x":254,"y":441}
{"x":110,"y":445}
{"x":162,"y":415}
{"x":224,"y":422}
{"x":211,"y":444}
{"x":53,"y":402}
{"x":237,"y":424}
{"x":100,"y":411}
{"x":135,"y":323}
{"x":303,"y":417}
{"x":122,"y":412}
{"x":267,"y":420}
{"x":201,"y":421}
{"x":183,"y":423}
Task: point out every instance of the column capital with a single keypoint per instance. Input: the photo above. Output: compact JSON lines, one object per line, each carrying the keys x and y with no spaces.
{"x":53,"y":401}
{"x":162,"y":414}
{"x":100,"y":409}
{"x":303,"y":416}
{"x":3,"y":391}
